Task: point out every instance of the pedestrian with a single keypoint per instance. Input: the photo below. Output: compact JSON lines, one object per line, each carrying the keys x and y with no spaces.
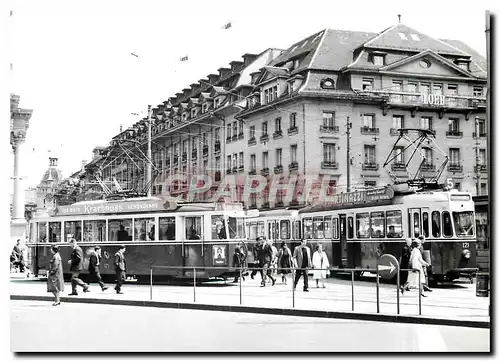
{"x":120,"y":267}
{"x":238,"y":261}
{"x":75,"y":267}
{"x":421,"y":238}
{"x":274,"y":260}
{"x":284,"y":261}
{"x":404,"y":263}
{"x":55,"y":278}
{"x":265,"y":259}
{"x":417,"y":262}
{"x":256,"y":251}
{"x":302,"y":261}
{"x":320,"y":262}
{"x":17,"y":258}
{"x":94,"y":262}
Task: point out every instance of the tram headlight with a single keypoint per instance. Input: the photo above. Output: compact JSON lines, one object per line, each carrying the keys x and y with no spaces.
{"x":466,"y":253}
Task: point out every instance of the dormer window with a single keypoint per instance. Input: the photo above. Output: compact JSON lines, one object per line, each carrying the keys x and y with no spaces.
{"x":193,"y":113}
{"x":415,"y":37}
{"x":367,"y":84}
{"x":184,"y":116}
{"x":378,"y":59}
{"x":204,"y":108}
{"x":216,"y":102}
{"x":271,"y":94}
{"x":463,"y":65}
{"x":402,"y":36}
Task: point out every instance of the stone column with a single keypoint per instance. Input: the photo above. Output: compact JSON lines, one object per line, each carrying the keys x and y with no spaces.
{"x":19,"y":123}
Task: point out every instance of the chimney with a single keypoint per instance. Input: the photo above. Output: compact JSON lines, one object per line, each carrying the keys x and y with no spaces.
{"x":213,"y":78}
{"x":248,"y":58}
{"x":223,"y":71}
{"x":235,"y":65}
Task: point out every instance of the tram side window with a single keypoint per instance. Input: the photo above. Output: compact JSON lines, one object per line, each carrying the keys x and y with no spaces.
{"x":308,"y":228}
{"x":350,"y":227}
{"x":285,"y":229}
{"x":335,"y":228}
{"x":120,"y":230}
{"x":464,"y":223}
{"x":425,"y":223}
{"x":363,"y":225}
{"x":144,"y":229}
{"x":328,"y":228}
{"x":42,"y":232}
{"x":260,"y":228}
{"x":318,"y":227}
{"x":378,"y":224}
{"x":218,"y":227}
{"x":72,"y":229}
{"x":193,"y":228}
{"x":236,"y":227}
{"x":416,"y":224}
{"x":296,"y":230}
{"x":447,"y":227}
{"x":166,"y":228}
{"x":94,"y":230}
{"x":54,"y":232}
{"x":436,"y":224}
{"x":272,"y":229}
{"x":394,"y":221}
{"x":252,"y":231}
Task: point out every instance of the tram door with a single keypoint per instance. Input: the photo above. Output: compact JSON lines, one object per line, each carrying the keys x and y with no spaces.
{"x":343,"y":240}
{"x":273,"y":227}
{"x":192,"y":248}
{"x":414,"y":223}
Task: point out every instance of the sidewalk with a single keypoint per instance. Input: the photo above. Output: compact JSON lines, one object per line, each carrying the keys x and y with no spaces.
{"x":447,"y":305}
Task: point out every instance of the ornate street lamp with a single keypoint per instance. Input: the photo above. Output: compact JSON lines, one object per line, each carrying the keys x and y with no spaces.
{"x":19,"y":123}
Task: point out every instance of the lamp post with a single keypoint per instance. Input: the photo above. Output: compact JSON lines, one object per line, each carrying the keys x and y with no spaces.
{"x":19,"y":123}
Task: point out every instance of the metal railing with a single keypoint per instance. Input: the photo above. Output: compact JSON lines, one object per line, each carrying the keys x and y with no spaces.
{"x":241,"y":270}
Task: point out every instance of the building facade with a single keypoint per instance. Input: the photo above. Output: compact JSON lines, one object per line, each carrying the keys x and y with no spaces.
{"x":327,"y":109}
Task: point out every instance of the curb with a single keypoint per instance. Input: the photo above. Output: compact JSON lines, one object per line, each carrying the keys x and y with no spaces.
{"x":263,"y":310}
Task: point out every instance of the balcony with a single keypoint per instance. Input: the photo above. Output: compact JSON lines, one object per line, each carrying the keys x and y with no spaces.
{"x":398,"y":166}
{"x":328,"y":129}
{"x":240,"y":136}
{"x":252,"y":172}
{"x":369,"y":130}
{"x":432,"y":100}
{"x":330,"y":164}
{"x":264,"y":171}
{"x":395,"y":131}
{"x":217,"y":147}
{"x":235,"y":138}
{"x":252,"y":141}
{"x":264,"y":138}
{"x":428,"y":167}
{"x":184,"y":156}
{"x":241,"y":169}
{"x":293,"y":166}
{"x":454,"y":134}
{"x":205,"y":150}
{"x":481,"y":135}
{"x":194,"y":154}
{"x":455,"y":167}
{"x":277,"y":134}
{"x":481,"y":168}
{"x":235,"y":170}
{"x":293,"y":130}
{"x":229,"y":171}
{"x":370,"y":166}
{"x":278,"y":169}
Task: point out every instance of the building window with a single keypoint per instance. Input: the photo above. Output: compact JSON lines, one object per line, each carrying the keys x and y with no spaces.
{"x":482,"y":156}
{"x":367,"y":84}
{"x":399,"y":155}
{"x":454,"y":156}
{"x":216,"y":102}
{"x":397,"y":88}
{"x":484,"y":190}
{"x":415,"y":37}
{"x":275,"y":92}
{"x":370,"y":183}
{"x":368,"y":120}
{"x":279,"y":153}
{"x":463,"y":65}
{"x":425,"y":89}
{"x":264,"y":128}
{"x":252,"y":162}
{"x":328,"y":120}
{"x":397,"y":122}
{"x":369,"y":155}
{"x":427,"y":155}
{"x":228,"y":166}
{"x":402,"y":36}
{"x":265,"y":160}
{"x":235,"y":161}
{"x":242,"y":161}
{"x":457,"y":186}
{"x":481,"y":127}
{"x":252,"y":132}
{"x":217,"y":134}
{"x":277,"y":125}
{"x":378,"y":60}
{"x":437,"y":89}
{"x":266,"y":95}
{"x":228,"y":136}
{"x":241,"y":127}
{"x":477,"y":91}
{"x":293,"y":153}
{"x":453,"y":126}
{"x":235,"y":129}
{"x":293,"y":120}
{"x":217,"y":163}
{"x":426,"y":123}
{"x":329,"y":153}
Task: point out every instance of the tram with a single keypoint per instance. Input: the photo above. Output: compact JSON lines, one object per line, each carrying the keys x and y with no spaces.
{"x":155,"y":232}
{"x":356,"y":228}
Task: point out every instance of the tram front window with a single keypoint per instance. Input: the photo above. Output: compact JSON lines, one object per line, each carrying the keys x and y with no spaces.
{"x":218,"y":227}
{"x":464,"y":223}
{"x":236,"y":226}
{"x":42,"y":232}
{"x":54,"y":232}
{"x":120,"y":230}
{"x":193,"y":228}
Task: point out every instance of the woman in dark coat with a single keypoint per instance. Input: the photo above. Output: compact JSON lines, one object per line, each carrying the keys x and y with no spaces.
{"x":55,"y":279}
{"x":284,"y":261}
{"x":404,"y":263}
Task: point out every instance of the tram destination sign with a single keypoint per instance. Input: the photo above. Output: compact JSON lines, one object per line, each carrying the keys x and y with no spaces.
{"x":128,"y":206}
{"x":362,"y":196}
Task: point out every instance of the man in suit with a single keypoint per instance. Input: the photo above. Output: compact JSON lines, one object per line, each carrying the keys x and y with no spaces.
{"x":257,"y":250}
{"x":75,"y":267}
{"x":94,"y":262}
{"x":120,"y":268}
{"x":302,"y":260}
{"x":265,"y":259}
{"x":17,"y":257}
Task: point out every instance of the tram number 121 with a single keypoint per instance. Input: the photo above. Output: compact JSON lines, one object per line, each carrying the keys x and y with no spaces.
{"x":465,"y":245}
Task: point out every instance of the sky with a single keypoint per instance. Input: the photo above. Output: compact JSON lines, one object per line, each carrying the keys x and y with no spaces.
{"x":72,"y":61}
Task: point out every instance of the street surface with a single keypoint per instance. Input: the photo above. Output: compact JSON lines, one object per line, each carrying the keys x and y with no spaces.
{"x":37,"y":326}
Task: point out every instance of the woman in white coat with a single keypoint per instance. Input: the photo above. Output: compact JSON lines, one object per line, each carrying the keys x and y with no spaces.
{"x":320,"y":261}
{"x":417,"y":262}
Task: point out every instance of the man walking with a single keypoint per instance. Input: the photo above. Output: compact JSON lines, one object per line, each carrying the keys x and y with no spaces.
{"x":426,"y":285}
{"x":266,"y":257}
{"x":256,"y":251}
{"x":302,"y":261}
{"x":94,"y":263}
{"x":120,"y":268}
{"x":75,"y":267}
